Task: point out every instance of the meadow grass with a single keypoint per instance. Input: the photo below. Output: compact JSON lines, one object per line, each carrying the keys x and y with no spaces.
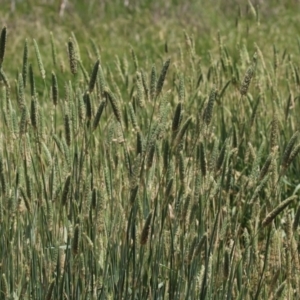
{"x":159,"y":162}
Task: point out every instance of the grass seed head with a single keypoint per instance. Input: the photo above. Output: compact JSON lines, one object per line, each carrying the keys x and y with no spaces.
{"x":25,"y":63}
{"x":207,"y":116}
{"x":162,"y":77}
{"x":94,"y":76}
{"x":247,"y":80}
{"x":2,"y":45}
{"x":72,"y":56}
{"x":54,"y":89}
{"x":146,"y":229}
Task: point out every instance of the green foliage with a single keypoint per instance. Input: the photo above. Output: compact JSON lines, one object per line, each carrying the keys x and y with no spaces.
{"x":157,"y":161}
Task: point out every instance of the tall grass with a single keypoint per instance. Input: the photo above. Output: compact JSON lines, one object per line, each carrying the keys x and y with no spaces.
{"x":169,"y":177}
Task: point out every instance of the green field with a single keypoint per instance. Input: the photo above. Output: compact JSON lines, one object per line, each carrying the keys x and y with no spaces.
{"x":149,"y":150}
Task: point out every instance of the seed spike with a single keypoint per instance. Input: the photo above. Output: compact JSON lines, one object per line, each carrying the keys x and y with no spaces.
{"x":72,"y":57}
{"x":146,"y":229}
{"x":162,"y":77}
{"x":94,"y":76}
{"x":39,"y":59}
{"x":2,"y":45}
{"x":25,"y":63}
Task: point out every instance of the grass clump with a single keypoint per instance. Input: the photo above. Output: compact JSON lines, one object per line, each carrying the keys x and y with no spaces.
{"x":118,"y":181}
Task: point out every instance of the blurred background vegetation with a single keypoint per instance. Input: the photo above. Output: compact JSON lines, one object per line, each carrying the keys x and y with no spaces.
{"x":116,"y":25}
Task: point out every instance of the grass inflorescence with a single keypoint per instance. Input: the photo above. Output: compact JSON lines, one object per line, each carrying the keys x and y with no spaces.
{"x":136,"y":177}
